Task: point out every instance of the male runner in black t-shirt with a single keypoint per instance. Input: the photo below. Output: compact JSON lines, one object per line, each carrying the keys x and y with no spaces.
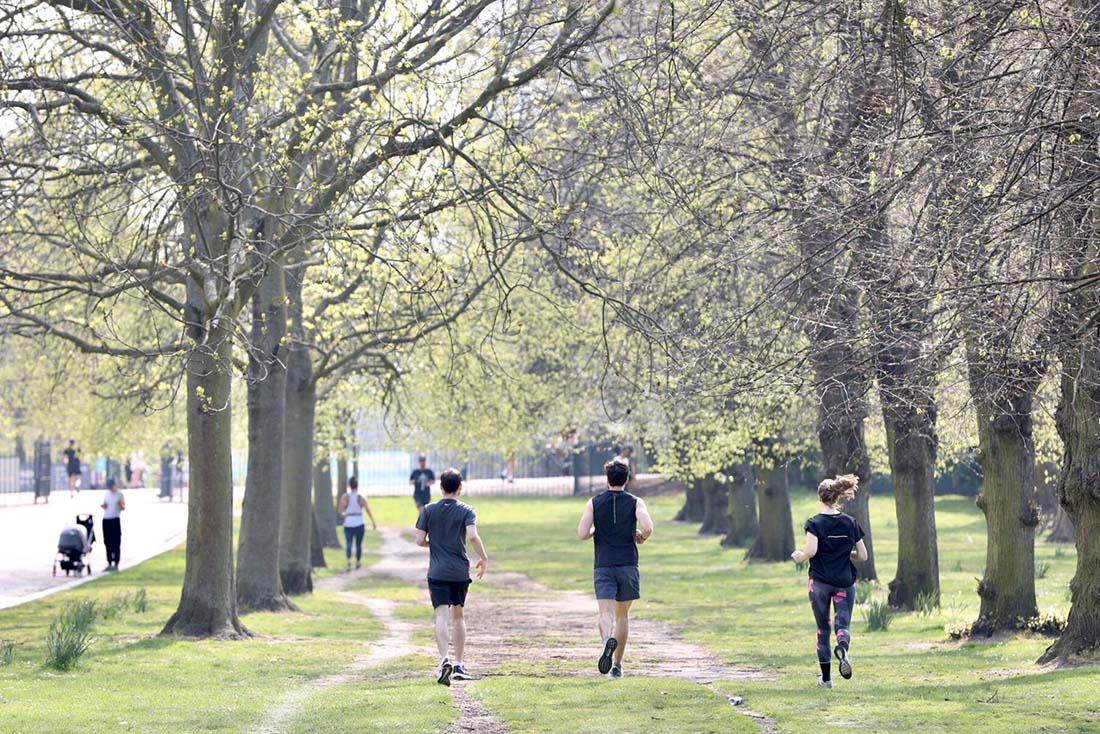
{"x":444,"y":527}
{"x":422,"y":479}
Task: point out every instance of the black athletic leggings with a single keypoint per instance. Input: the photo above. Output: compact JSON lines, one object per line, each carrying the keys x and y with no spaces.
{"x":356,"y":535}
{"x":822,"y":596}
{"x":112,"y":538}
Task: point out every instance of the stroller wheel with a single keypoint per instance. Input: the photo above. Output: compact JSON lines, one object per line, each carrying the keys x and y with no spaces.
{"x":55,"y":568}
{"x":89,"y":569}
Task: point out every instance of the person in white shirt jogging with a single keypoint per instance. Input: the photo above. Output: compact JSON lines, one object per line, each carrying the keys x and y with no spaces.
{"x":351,"y":509}
{"x":113,"y":505}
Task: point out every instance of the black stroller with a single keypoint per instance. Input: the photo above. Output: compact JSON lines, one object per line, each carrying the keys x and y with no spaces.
{"x":72,"y":547}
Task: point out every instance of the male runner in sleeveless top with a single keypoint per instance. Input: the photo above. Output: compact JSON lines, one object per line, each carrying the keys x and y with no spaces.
{"x":618,"y":522}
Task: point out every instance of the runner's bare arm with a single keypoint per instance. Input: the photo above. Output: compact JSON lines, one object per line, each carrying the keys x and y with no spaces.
{"x":586,"y":529}
{"x":366,"y":508}
{"x":475,"y":540}
{"x":342,"y":506}
{"x":801,"y":556}
{"x":645,"y":523}
{"x":860,"y":551}
{"x":422,"y":538}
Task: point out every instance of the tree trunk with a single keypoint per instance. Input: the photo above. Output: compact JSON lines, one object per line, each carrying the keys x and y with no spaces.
{"x":258,"y":585}
{"x":741,"y":520}
{"x":316,"y":547}
{"x":693,"y":509}
{"x":323,"y":504}
{"x":775,"y":539}
{"x":208,"y":600}
{"x":341,"y":476}
{"x":1061,"y":531}
{"x":844,"y":451}
{"x":911,"y":447}
{"x":297,"y":511}
{"x":1078,"y":419}
{"x":715,"y":507}
{"x":1007,"y":457}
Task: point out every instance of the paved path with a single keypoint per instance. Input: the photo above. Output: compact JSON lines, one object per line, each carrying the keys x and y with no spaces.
{"x":28,"y":539}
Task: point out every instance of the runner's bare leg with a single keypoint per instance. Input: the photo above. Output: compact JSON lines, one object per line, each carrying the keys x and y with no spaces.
{"x":607,"y":618}
{"x":442,"y":634}
{"x":622,"y":628}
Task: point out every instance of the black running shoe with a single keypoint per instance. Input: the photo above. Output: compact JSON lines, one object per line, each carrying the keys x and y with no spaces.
{"x":604,"y":666}
{"x":616,"y":671}
{"x":460,"y":673}
{"x":845,"y":664}
{"x":445,"y":671}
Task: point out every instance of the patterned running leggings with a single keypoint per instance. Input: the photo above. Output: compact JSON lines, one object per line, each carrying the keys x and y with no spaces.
{"x":822,"y":596}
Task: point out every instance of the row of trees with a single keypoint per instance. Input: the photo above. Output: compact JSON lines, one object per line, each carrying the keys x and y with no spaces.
{"x":739,"y":228}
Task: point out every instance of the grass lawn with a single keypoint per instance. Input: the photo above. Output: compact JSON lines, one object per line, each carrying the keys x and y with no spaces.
{"x":910,"y":677}
{"x":907,"y":679}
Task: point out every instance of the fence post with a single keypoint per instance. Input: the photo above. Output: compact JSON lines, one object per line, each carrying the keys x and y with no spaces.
{"x":43,"y":465}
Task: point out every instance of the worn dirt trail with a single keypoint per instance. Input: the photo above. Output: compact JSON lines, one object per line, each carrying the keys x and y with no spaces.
{"x":514,"y":624}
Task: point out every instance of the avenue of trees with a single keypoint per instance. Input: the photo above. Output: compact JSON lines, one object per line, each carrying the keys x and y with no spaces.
{"x":749,"y":232}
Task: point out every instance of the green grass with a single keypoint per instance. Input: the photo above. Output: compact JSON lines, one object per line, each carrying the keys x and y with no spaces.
{"x":629,"y":706}
{"x":908,"y":678}
{"x":757,"y":614}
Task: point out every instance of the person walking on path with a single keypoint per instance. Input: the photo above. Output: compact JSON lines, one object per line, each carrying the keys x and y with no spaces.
{"x":422,"y":479}
{"x":626,"y":456}
{"x":617,"y":522}
{"x":443,"y":528}
{"x":351,"y":508}
{"x":832,"y":540}
{"x":72,"y":467}
{"x":113,"y":505}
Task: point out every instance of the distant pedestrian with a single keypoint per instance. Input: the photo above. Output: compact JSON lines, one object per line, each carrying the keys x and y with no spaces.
{"x":72,"y":467}
{"x":832,"y":540}
{"x":140,"y":466}
{"x":422,"y":479}
{"x":113,"y":505}
{"x":351,"y":508}
{"x":128,"y":472}
{"x":626,"y":456}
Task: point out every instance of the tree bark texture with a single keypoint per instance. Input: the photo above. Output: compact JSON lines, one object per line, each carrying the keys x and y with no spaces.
{"x":297,"y":510}
{"x":323,"y":503}
{"x":1003,"y":395}
{"x":693,"y":509}
{"x":258,"y":585}
{"x":775,"y":539}
{"x":742,"y":523}
{"x":208,"y":599}
{"x":715,"y":507}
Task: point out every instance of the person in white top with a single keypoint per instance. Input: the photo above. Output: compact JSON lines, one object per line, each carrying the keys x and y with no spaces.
{"x":113,"y":505}
{"x":351,"y":509}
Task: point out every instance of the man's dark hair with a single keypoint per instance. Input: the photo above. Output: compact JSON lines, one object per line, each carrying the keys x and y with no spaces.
{"x":617,"y":473}
{"x":450,"y":480}
{"x":353,"y":483}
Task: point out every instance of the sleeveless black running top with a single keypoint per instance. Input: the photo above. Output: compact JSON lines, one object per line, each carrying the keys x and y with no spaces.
{"x":613,"y":516}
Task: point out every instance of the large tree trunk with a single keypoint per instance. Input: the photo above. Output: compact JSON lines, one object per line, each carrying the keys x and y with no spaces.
{"x":775,"y":539}
{"x":741,"y":517}
{"x":323,"y":504}
{"x":911,"y":446}
{"x":297,"y":511}
{"x":1078,"y":421}
{"x":693,"y":509}
{"x":715,"y":507}
{"x":341,"y":476}
{"x":1007,"y":457}
{"x":316,"y":547}
{"x":258,"y":584}
{"x":841,"y":411}
{"x":208,"y":600}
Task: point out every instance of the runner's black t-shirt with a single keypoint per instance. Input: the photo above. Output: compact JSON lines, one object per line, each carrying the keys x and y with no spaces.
{"x":422,"y":484}
{"x":836,"y":535}
{"x":445,"y":522}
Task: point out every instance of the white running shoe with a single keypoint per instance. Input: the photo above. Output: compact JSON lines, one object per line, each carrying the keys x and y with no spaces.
{"x":822,"y":683}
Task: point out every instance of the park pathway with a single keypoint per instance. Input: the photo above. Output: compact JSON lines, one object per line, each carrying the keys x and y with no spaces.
{"x":514,"y":623}
{"x":28,"y":541}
